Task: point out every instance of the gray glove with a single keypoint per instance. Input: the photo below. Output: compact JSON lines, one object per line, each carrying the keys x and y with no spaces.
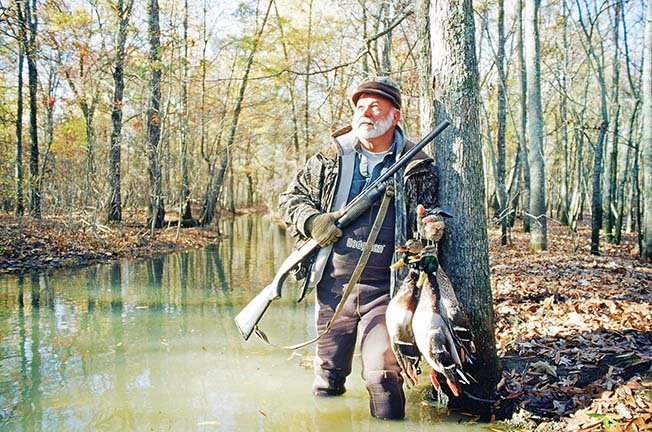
{"x":322,"y":229}
{"x":434,"y":227}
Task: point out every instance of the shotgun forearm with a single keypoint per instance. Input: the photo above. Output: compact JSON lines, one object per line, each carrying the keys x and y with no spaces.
{"x":361,"y":205}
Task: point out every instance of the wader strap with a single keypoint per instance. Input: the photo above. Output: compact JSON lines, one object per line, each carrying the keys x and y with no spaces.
{"x":355,"y":276}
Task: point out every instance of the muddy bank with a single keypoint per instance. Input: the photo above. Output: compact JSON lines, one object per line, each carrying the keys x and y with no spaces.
{"x":28,"y":244}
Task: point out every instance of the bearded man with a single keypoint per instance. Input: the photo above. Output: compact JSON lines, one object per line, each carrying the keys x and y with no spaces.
{"x":330,"y":179}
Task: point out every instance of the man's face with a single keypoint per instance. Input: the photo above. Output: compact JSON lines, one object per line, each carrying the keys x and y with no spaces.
{"x":373,"y":116}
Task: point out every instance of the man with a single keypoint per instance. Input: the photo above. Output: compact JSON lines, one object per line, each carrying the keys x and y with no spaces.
{"x":311,"y":205}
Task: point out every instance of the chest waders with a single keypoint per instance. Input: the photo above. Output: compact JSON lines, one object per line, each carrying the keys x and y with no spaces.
{"x":367,"y":249}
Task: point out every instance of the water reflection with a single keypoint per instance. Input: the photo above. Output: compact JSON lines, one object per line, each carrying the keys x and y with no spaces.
{"x":151,"y":345}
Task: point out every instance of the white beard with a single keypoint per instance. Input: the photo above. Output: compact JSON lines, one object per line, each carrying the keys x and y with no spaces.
{"x":379,"y":127}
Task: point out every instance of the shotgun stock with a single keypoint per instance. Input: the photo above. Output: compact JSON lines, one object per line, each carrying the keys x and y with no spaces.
{"x":252,"y":313}
{"x":249,"y":317}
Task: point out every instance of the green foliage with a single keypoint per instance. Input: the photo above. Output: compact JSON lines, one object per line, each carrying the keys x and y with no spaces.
{"x":7,"y":143}
{"x":64,"y":20}
{"x":70,"y":137}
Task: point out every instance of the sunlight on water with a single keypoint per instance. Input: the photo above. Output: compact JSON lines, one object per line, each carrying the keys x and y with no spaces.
{"x":151,"y":345}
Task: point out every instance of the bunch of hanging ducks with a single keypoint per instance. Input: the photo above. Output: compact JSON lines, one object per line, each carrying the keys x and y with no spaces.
{"x":424,"y":317}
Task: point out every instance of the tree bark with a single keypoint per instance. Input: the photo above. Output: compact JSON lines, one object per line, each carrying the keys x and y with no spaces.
{"x":596,"y":200}
{"x":32,"y":80}
{"x":537,"y":207}
{"x":424,"y":67}
{"x":501,"y":194}
{"x":522,"y":130}
{"x":306,"y":82}
{"x":19,"y":205}
{"x":386,"y":54}
{"x":564,"y":207}
{"x":610,"y":191}
{"x":626,"y":174}
{"x":365,"y":35}
{"x":646,"y":140}
{"x":156,"y":213}
{"x":186,"y":212}
{"x":114,"y":210}
{"x":464,"y":253}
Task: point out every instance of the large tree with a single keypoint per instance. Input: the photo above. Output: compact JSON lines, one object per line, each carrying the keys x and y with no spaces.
{"x":424,"y":65}
{"x":29,"y":23}
{"x":19,"y":207}
{"x":593,"y":49}
{"x":646,"y":228}
{"x":458,"y":151}
{"x":114,"y":211}
{"x":537,"y":207}
{"x":185,"y":212}
{"x":156,"y":213}
{"x":501,"y":123}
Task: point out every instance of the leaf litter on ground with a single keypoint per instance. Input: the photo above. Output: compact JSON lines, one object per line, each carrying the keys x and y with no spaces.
{"x":574,"y":332}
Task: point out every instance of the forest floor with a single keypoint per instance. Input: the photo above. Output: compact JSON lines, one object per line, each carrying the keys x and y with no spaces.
{"x":573,"y":330}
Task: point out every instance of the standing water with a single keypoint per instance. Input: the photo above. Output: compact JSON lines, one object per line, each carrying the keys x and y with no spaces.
{"x":151,"y":345}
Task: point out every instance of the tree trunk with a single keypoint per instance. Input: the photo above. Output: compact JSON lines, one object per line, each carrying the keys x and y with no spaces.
{"x":522,"y":130}
{"x":564,"y":208}
{"x":620,"y":197}
{"x":424,"y":67}
{"x":114,"y":210}
{"x":386,"y":55}
{"x":537,"y":207}
{"x":32,"y":82}
{"x":156,"y":209}
{"x":501,"y":194}
{"x":231,"y":196}
{"x":464,"y":251}
{"x":596,"y":201}
{"x":185,"y":210}
{"x":646,"y":140}
{"x":19,"y":205}
{"x":365,"y":35}
{"x":577,"y":200}
{"x":306,"y":82}
{"x":610,"y":192}
{"x":48,"y":104}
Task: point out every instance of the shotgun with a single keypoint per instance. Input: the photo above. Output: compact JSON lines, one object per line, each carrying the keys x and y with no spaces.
{"x":251,"y":314}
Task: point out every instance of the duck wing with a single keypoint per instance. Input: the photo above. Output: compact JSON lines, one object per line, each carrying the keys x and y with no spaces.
{"x":435,"y":340}
{"x":455,"y":315}
{"x":398,"y":318}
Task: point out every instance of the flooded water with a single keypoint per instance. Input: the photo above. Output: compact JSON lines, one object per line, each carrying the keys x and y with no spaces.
{"x":151,"y":345}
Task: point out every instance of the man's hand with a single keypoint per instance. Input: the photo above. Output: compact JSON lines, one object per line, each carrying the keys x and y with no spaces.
{"x":322,"y":228}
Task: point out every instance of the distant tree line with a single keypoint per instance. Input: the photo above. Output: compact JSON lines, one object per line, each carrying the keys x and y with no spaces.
{"x":193,"y":107}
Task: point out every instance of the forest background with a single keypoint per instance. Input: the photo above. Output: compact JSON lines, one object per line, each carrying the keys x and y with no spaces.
{"x":197,"y":107}
{"x":115,"y":111}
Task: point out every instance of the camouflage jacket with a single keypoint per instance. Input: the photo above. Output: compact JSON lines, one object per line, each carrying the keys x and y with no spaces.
{"x":314,"y":187}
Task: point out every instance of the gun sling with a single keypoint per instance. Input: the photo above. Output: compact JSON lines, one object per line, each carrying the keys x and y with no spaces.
{"x":355,"y":276}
